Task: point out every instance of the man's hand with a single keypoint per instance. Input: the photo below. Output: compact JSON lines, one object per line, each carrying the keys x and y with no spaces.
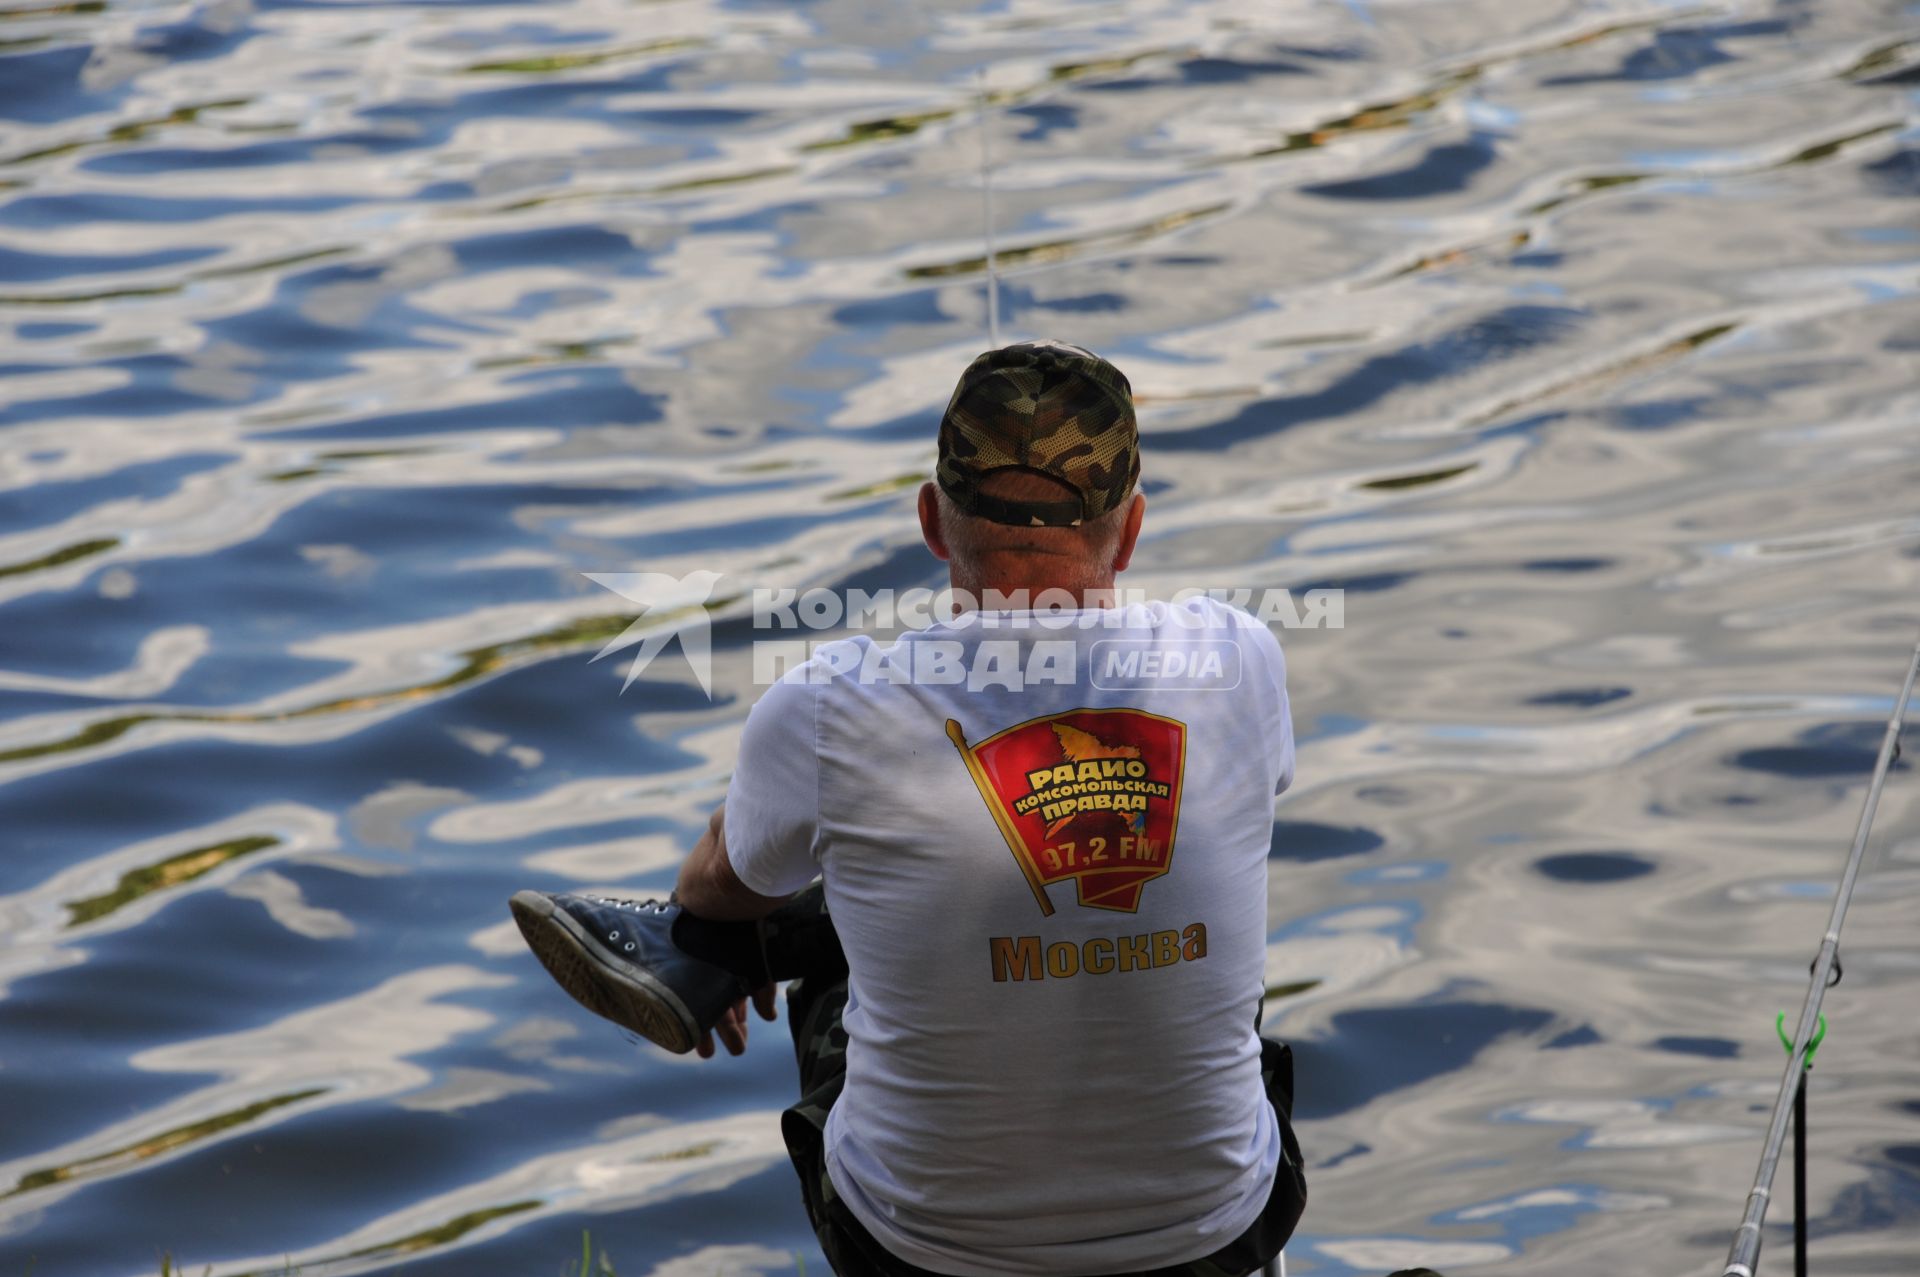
{"x":732,"y":1026}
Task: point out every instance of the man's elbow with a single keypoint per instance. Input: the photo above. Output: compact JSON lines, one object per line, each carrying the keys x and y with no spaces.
{"x":709,"y":888}
{"x":699,"y":894}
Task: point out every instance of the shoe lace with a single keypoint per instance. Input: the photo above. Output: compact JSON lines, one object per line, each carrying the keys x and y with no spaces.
{"x":651,"y":904}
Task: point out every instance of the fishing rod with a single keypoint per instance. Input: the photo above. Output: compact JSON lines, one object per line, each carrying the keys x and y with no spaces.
{"x":1745,"y":1251}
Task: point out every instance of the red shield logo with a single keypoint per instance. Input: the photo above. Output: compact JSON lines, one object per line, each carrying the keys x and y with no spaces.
{"x":1091,"y":795}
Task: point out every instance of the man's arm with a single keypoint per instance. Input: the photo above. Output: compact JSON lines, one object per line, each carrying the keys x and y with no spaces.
{"x":773,"y":793}
{"x":710,"y":889}
{"x":708,"y":886}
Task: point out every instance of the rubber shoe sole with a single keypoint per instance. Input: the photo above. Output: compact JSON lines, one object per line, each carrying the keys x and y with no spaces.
{"x":608,"y":986}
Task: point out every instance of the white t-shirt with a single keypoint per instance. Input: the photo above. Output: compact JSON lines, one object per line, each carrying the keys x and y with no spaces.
{"x":1053,"y":903}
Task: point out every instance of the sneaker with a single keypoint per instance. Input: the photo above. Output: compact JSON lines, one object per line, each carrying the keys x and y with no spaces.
{"x":617,"y":958}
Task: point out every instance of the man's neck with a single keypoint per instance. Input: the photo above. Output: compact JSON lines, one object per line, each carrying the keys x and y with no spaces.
{"x":1028,"y":587}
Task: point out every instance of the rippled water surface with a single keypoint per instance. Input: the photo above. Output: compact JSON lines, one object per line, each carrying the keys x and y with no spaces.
{"x":1576,"y":340}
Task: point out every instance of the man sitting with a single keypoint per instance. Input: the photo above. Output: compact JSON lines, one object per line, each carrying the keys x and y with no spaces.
{"x":1028,"y":980}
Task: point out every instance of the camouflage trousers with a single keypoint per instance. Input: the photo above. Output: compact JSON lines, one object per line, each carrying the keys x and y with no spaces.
{"x":814,"y":1007}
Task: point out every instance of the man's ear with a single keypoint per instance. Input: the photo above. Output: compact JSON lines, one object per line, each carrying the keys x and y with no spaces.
{"x":1130,"y":532}
{"x":930,"y":522}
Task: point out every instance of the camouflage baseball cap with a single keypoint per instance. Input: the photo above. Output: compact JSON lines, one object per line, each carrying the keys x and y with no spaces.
{"x":1046,"y":407}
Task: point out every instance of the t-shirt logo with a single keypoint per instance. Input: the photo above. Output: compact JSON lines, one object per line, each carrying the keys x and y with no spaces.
{"x":1091,"y":794}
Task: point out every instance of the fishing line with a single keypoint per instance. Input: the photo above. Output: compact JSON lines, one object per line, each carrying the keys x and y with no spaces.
{"x":986,"y":217}
{"x":1745,"y":1251}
